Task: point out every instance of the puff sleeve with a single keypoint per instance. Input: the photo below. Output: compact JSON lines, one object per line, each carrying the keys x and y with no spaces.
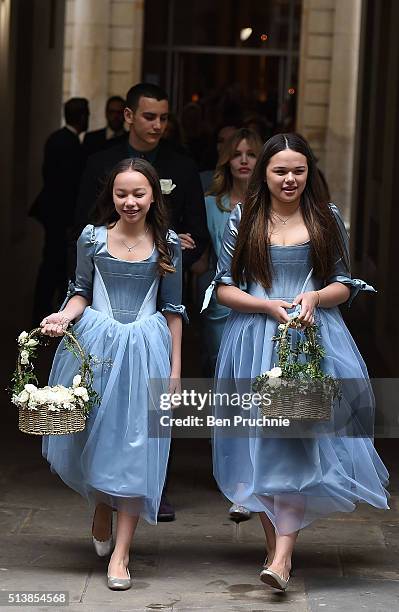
{"x":83,"y":284}
{"x":341,"y":273}
{"x":223,"y":269}
{"x":170,"y":286}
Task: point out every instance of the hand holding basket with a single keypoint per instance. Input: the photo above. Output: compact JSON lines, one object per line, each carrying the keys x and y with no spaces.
{"x":53,"y":410}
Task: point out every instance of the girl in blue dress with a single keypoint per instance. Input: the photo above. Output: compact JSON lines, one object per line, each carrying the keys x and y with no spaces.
{"x":126,"y":305}
{"x":287,"y":248}
{"x":233,"y":171}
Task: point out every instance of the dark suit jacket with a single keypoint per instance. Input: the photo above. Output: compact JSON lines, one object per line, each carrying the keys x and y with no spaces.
{"x":62,"y":169}
{"x":185,"y":203}
{"x":96,"y":141}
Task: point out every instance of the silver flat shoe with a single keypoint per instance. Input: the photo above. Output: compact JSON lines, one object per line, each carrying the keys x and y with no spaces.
{"x":103,"y":548}
{"x":239,"y":513}
{"x":273,"y":579}
{"x":119,"y":584}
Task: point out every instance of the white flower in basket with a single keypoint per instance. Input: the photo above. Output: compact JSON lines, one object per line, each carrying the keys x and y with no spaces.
{"x":76,"y":380}
{"x":22,"y":398}
{"x":30,"y":388}
{"x":24,"y":357}
{"x":274,"y":376}
{"x":23,"y":337}
{"x":82,"y":392}
{"x":57,"y":409}
{"x":275,"y":372}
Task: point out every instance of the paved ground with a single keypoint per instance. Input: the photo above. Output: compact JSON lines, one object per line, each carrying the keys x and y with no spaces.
{"x":199,"y":562}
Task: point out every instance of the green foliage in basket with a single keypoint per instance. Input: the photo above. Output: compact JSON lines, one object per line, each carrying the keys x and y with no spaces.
{"x":26,"y":394}
{"x":299,"y":364}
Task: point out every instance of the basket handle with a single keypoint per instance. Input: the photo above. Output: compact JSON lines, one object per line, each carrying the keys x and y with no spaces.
{"x":310,"y":333}
{"x":38,"y":332}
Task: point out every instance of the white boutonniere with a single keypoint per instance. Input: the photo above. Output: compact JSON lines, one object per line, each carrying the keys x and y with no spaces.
{"x":167,"y":186}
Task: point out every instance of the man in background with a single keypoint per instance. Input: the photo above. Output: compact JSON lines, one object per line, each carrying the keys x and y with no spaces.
{"x":146,"y":115}
{"x":113,"y":132}
{"x":54,"y":207}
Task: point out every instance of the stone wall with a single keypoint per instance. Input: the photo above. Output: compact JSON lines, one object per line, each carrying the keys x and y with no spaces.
{"x":103,"y":50}
{"x":326,"y":116}
{"x":315,"y":72}
{"x":31,"y":58}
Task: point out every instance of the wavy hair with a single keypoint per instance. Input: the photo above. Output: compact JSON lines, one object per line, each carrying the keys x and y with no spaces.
{"x":222,"y":182}
{"x":157,"y":216}
{"x":251,"y":259}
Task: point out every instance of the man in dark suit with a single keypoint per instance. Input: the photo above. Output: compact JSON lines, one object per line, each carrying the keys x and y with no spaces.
{"x":146,"y":114}
{"x":54,"y":207}
{"x":98,"y":140}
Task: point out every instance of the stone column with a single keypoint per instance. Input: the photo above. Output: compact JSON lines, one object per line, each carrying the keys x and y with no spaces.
{"x":7,"y":119}
{"x":317,"y":27}
{"x":126,"y":45}
{"x":103,"y":51}
{"x":342,"y":103}
{"x":89,"y":58}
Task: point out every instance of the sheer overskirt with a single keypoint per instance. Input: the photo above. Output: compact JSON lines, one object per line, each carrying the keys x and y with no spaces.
{"x":122,"y":455}
{"x":307,"y":471}
{"x":297,"y":480}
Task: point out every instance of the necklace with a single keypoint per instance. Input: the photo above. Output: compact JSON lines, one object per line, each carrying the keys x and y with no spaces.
{"x":130,"y":248}
{"x":283,"y":221}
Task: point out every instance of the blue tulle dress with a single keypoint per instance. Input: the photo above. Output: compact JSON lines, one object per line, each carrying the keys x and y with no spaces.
{"x":294,"y":479}
{"x":121,"y":457}
{"x":215,"y":316}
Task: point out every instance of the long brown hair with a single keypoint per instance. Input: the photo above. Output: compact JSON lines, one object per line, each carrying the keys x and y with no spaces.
{"x":251,"y":259}
{"x":222,"y":182}
{"x":157,"y":216}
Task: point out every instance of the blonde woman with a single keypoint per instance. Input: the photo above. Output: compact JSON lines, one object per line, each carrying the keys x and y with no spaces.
{"x":234,"y":169}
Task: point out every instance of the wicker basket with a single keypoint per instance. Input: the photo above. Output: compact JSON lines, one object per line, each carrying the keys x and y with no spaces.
{"x":313,"y":405}
{"x":42,"y":422}
{"x":309,"y":399}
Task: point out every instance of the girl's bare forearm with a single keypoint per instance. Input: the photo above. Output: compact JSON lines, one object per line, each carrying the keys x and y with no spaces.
{"x":75,"y":307}
{"x":174,"y":322}
{"x":333,"y":295}
{"x":236,"y":299}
